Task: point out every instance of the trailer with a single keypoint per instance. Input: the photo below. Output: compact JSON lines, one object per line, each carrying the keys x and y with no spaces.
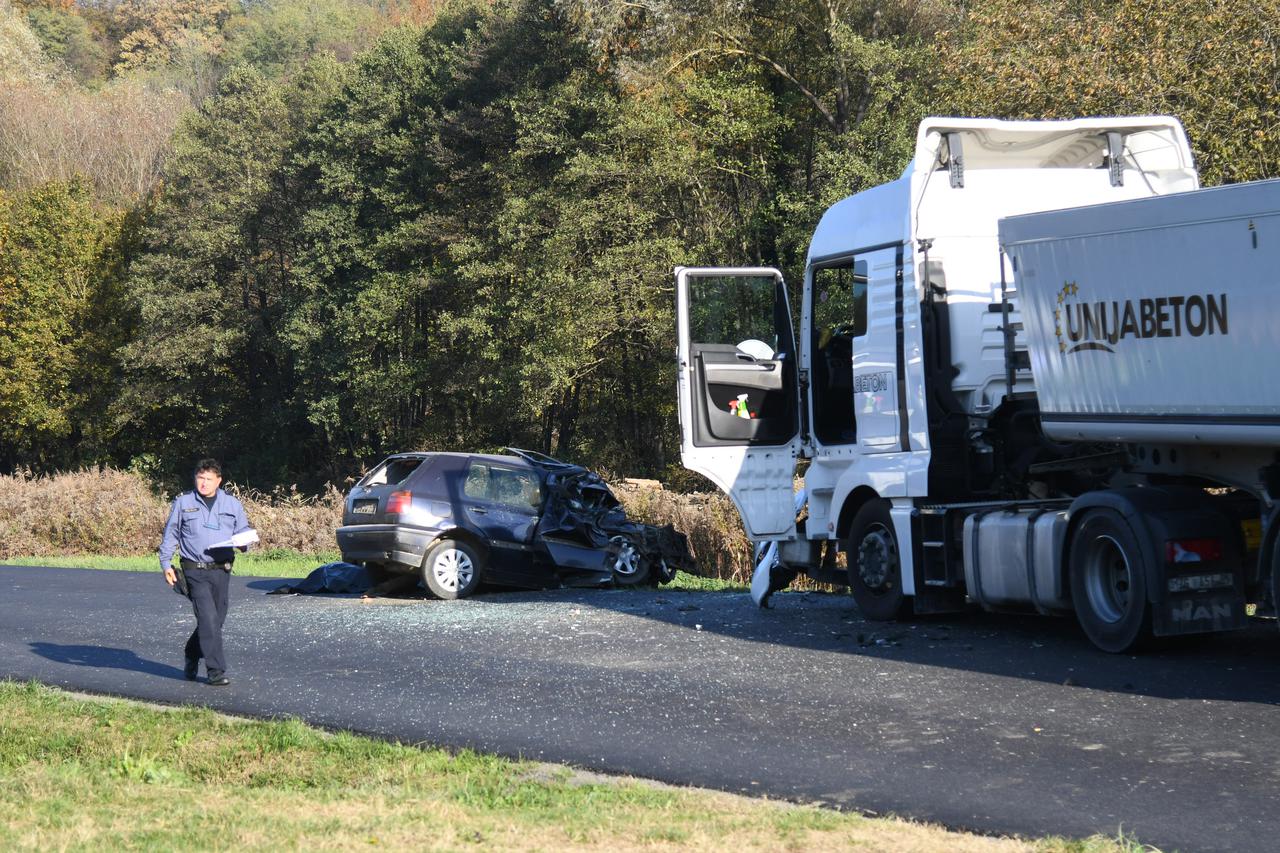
{"x":1034,"y":374}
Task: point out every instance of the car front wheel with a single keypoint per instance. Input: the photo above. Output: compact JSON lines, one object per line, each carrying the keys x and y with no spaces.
{"x":451,"y":569}
{"x":628,"y":567}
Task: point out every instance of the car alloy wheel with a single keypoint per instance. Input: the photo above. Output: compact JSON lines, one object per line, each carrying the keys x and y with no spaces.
{"x":628,"y":566}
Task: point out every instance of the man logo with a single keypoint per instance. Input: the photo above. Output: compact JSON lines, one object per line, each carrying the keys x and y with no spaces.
{"x":1188,"y":612}
{"x":1101,"y":325}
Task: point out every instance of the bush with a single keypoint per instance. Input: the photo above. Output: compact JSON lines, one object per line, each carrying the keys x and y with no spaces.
{"x":709,"y":520}
{"x":104,"y":512}
{"x":114,"y":513}
{"x":286,"y":519}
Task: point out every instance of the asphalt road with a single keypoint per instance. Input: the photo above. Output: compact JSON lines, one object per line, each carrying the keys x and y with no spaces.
{"x":989,"y":723}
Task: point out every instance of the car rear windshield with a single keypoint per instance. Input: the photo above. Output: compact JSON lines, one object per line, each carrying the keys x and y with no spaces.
{"x":393,"y":472}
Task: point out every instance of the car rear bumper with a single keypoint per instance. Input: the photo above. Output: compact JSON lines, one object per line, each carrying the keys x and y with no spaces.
{"x":385,"y":543}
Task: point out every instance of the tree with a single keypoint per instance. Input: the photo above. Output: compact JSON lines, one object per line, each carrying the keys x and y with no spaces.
{"x":276,"y":36}
{"x":115,"y":137}
{"x":846,"y":78}
{"x":21,"y":58}
{"x":68,"y":38}
{"x":1216,"y":66}
{"x":61,"y":322}
{"x":208,"y":367}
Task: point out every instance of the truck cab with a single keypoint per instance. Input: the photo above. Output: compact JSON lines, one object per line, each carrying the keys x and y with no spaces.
{"x":906,"y":390}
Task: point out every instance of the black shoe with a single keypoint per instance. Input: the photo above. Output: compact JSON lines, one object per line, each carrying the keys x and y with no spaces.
{"x":191,"y":669}
{"x":218,"y":679}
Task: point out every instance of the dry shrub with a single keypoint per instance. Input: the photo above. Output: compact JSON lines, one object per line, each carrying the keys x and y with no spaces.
{"x":116,"y":137}
{"x":710,"y":520}
{"x":713,"y":526}
{"x":289,"y":520}
{"x":104,"y":512}
{"x":113,"y":513}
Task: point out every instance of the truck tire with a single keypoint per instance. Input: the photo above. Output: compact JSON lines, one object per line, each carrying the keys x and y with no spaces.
{"x":1109,"y":582}
{"x":451,"y":569}
{"x":875,"y":568}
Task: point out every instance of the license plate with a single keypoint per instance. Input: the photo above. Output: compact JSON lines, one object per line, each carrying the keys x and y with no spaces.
{"x":364,"y":507}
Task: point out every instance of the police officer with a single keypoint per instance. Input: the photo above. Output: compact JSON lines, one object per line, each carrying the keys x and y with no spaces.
{"x":197,"y":521}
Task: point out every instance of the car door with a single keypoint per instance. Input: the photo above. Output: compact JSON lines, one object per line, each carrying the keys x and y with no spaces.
{"x":503,"y":501}
{"x":738,"y":390}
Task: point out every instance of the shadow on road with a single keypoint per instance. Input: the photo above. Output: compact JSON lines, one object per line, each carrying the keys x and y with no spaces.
{"x":1241,"y":666}
{"x":100,"y":656}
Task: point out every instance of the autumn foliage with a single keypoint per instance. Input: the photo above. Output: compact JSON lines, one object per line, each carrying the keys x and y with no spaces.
{"x":298,"y":234}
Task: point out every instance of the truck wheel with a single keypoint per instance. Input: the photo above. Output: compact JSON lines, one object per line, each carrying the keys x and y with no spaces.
{"x":875,"y":568}
{"x":451,"y":569}
{"x":1109,"y":582}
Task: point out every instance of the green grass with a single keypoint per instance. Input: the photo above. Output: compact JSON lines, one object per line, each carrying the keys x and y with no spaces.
{"x":278,"y":563}
{"x":89,"y":774}
{"x":697,"y":583}
{"x":275,"y":563}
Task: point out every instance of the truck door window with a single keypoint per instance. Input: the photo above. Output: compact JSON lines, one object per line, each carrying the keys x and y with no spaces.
{"x":741,"y":342}
{"x":734,"y":310}
{"x":838,"y":312}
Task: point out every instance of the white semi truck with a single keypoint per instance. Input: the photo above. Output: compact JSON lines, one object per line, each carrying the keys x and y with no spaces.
{"x":1037,"y":372}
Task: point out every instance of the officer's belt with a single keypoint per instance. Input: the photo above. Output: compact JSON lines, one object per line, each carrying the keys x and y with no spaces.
{"x":191,"y":564}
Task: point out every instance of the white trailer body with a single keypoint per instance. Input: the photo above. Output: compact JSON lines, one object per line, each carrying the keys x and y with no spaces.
{"x":1154,"y":320}
{"x":917,"y":401}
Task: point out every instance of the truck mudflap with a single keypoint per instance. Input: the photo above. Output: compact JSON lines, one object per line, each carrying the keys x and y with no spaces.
{"x":1199,"y":612}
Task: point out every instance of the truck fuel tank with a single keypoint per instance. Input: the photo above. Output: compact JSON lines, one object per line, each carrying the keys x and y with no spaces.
{"x":1013,"y":558}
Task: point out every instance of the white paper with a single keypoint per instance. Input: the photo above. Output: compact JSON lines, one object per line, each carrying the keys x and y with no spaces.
{"x":240,"y":540}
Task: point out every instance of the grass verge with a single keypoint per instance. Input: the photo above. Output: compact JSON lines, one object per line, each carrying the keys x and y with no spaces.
{"x":84,"y":773}
{"x":274,"y":563}
{"x":279,"y":563}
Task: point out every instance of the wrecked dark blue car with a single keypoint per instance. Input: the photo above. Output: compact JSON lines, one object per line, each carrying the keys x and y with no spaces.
{"x":524,"y":519}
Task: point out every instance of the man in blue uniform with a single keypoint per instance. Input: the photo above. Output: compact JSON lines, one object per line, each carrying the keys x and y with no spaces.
{"x":198,"y":521}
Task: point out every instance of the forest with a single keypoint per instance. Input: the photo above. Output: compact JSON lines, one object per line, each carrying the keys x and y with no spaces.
{"x":298,"y":234}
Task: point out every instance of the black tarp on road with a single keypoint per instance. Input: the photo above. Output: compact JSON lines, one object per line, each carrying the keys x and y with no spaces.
{"x":999,"y":724}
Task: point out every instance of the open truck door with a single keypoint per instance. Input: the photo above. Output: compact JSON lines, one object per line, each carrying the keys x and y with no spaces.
{"x":738,"y":390}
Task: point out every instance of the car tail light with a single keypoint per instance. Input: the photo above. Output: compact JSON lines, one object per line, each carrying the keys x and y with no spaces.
{"x":1192,"y":550}
{"x":399,"y":502}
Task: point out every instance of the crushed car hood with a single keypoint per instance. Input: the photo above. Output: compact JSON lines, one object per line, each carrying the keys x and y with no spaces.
{"x":582,"y":521}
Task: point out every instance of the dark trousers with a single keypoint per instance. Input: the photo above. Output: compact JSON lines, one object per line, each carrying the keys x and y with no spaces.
{"x":209,"y":594}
